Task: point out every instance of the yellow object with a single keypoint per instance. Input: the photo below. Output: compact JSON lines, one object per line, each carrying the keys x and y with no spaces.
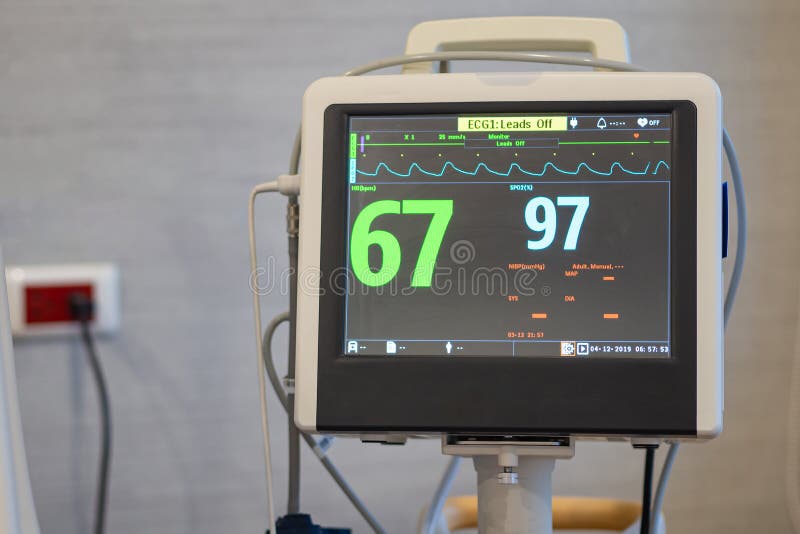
{"x":569,"y":513}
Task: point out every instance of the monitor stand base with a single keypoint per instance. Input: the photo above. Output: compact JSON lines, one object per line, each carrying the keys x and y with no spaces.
{"x":522,"y":508}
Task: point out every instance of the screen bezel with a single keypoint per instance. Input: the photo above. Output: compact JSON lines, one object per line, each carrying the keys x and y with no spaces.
{"x":624,"y":396}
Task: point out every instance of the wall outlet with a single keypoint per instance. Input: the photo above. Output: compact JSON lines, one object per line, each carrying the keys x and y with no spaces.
{"x":38,"y":297}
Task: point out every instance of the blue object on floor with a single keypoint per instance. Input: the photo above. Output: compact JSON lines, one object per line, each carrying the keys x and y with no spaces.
{"x":302,"y":524}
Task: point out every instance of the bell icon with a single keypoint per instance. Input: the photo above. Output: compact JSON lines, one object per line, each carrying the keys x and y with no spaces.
{"x":601,"y":123}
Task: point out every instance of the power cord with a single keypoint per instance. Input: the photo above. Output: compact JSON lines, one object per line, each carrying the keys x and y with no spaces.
{"x":82,"y":309}
{"x":647,"y":489}
{"x":661,"y":488}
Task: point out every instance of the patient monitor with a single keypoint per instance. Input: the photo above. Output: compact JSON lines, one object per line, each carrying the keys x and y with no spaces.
{"x":534,"y":254}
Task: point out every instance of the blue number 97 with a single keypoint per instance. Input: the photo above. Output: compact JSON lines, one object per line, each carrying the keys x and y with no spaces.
{"x":540,"y":216}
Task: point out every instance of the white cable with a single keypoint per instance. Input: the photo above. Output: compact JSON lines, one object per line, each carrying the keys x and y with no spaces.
{"x":741,"y":224}
{"x":320,"y":448}
{"x":257,"y":190}
{"x":287,"y":185}
{"x":528,"y":57}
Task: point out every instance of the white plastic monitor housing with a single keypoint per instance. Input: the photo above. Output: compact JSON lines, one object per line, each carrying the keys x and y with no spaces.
{"x":568,"y":87}
{"x":17,"y":513}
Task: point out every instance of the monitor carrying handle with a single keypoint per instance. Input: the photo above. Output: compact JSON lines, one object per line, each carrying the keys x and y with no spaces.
{"x":603,"y":38}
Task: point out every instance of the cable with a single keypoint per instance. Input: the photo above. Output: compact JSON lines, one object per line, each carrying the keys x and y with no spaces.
{"x":294,"y":159}
{"x":434,"y":510}
{"x":661,"y":489}
{"x":81,"y":308}
{"x":293,"y":502}
{"x":741,"y":224}
{"x":257,"y":190}
{"x":318,"y":450}
{"x":292,"y":228}
{"x":647,"y":490}
{"x":266,"y":355}
{"x":528,"y":57}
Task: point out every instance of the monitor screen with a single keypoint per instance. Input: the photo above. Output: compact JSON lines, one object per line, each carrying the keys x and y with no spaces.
{"x":509,"y":235}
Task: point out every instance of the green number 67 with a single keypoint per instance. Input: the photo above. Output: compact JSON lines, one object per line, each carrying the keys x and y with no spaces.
{"x":363,"y":238}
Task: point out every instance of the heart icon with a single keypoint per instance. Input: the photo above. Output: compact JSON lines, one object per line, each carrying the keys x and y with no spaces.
{"x":636,"y":135}
{"x":642,"y":122}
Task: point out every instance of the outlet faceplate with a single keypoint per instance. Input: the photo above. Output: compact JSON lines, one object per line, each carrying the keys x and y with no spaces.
{"x":38,"y":297}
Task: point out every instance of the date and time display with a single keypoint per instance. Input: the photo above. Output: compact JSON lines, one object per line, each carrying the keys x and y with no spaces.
{"x":540,"y":235}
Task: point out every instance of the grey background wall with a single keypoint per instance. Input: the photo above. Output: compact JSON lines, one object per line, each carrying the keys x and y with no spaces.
{"x":132,"y":131}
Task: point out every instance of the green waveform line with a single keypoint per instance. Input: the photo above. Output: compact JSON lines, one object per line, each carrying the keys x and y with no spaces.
{"x":604,"y":142}
{"x":414,"y":144}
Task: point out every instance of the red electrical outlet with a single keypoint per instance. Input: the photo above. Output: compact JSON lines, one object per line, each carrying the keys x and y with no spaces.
{"x":39,"y":295}
{"x":50,"y":304}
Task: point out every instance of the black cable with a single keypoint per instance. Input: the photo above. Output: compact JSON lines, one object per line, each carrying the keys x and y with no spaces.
{"x":82,"y":310}
{"x":292,"y":220}
{"x":647,"y":490}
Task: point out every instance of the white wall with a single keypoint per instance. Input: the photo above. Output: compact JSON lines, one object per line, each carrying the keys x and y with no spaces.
{"x":132,"y":131}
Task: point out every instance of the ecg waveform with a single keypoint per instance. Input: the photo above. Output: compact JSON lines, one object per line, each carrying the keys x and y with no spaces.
{"x":547,"y":166}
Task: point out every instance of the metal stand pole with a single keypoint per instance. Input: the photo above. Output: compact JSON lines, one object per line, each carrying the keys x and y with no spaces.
{"x":525,"y":507}
{"x":515,"y":479}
